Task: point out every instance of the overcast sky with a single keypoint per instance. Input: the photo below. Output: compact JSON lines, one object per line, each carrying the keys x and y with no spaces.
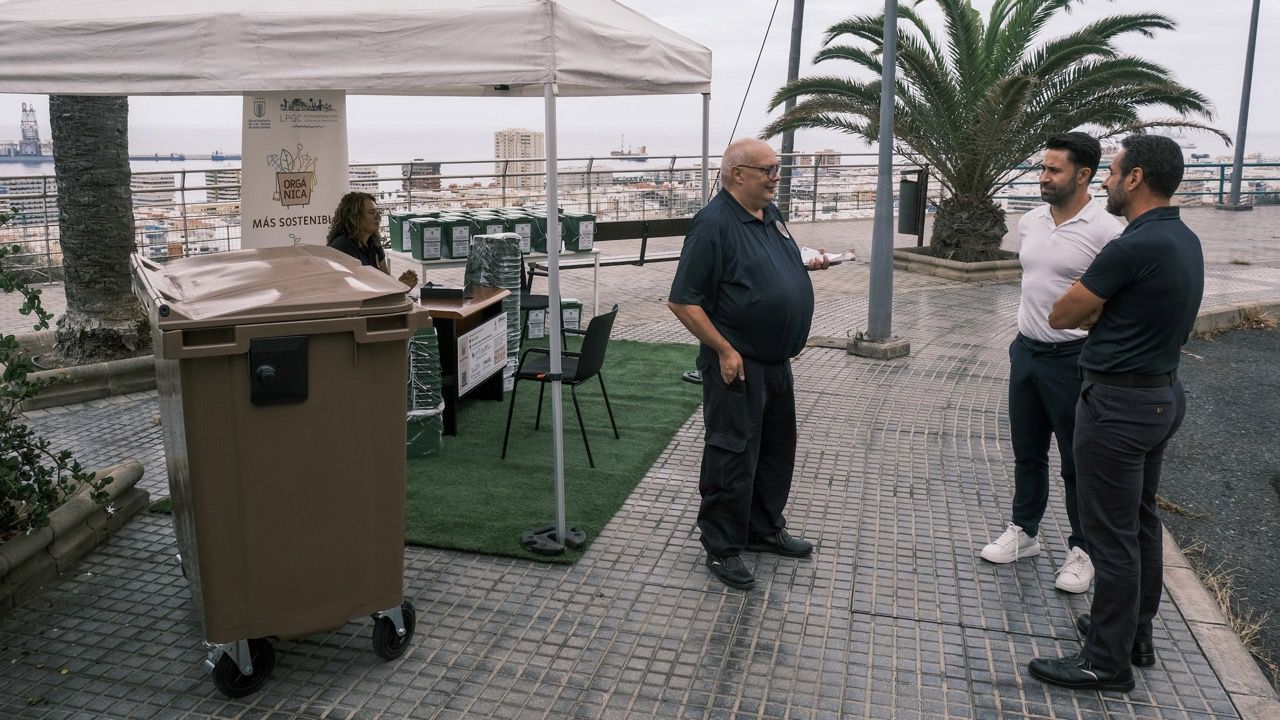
{"x":1206,"y":52}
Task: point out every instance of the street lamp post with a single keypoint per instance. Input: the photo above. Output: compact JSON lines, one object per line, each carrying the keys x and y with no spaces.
{"x":1237,"y":167}
{"x":789,"y":136}
{"x":878,"y":342}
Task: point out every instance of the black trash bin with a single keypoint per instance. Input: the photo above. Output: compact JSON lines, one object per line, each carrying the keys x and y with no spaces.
{"x":913,"y":196}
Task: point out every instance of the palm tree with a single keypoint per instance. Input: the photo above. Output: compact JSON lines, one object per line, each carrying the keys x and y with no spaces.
{"x":95,"y":213}
{"x":980,"y":105}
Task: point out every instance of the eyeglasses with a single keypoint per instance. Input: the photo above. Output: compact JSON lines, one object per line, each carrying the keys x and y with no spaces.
{"x":770,"y":171}
{"x":374,"y":212}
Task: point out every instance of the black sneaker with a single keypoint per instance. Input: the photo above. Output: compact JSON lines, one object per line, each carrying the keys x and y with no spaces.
{"x":1143,"y":653}
{"x":1079,"y":674}
{"x":731,"y":571}
{"x":782,"y":543}
{"x":692,"y":376}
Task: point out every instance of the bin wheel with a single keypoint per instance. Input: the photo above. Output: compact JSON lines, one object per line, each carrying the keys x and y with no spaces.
{"x":234,"y":684}
{"x":386,"y":643}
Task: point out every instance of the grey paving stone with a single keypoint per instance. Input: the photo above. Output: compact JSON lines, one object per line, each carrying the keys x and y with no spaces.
{"x":903,"y":472}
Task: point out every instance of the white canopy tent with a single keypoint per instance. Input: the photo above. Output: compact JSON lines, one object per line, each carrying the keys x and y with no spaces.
{"x":493,"y":48}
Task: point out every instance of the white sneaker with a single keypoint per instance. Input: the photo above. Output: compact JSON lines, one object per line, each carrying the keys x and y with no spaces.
{"x":1012,"y":545}
{"x":1076,"y":573}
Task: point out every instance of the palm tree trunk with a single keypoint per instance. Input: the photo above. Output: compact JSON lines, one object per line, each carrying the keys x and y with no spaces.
{"x":95,"y":215}
{"x":968,"y":229}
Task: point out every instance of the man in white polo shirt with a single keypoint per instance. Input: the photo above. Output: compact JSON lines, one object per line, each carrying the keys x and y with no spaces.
{"x":1057,"y":242}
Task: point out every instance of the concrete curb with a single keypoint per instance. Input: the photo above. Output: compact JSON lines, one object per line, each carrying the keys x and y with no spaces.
{"x":92,"y":382}
{"x":85,"y":382}
{"x":1243,"y":680}
{"x":913,"y":260}
{"x":1229,"y":315}
{"x":29,"y":562}
{"x":1241,"y":677}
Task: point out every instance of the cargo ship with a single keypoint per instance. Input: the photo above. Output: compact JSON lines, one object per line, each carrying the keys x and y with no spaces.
{"x":624,"y":151}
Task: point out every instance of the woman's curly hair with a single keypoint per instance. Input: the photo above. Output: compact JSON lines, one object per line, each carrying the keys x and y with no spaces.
{"x":346,"y":219}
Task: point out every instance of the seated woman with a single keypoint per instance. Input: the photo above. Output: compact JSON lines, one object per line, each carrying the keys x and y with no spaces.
{"x":354,"y":231}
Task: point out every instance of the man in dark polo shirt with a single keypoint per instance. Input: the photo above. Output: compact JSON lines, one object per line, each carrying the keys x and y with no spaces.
{"x":743,"y":291}
{"x":1140,"y":297}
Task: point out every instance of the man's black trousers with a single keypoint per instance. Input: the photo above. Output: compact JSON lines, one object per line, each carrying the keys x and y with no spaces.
{"x":749,"y":454}
{"x":1044,"y":385}
{"x":1121,"y":434}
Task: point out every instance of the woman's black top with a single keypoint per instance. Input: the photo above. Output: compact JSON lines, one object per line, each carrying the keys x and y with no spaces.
{"x":371,"y":254}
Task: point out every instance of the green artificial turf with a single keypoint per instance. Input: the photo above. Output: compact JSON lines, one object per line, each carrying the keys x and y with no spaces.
{"x":467,"y":498}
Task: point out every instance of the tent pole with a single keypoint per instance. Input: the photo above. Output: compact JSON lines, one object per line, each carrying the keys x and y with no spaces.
{"x":706,"y":144}
{"x":554,"y":539}
{"x":553,"y":306}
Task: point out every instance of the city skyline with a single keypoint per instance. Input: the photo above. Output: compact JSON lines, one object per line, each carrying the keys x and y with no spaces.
{"x":1206,"y":53}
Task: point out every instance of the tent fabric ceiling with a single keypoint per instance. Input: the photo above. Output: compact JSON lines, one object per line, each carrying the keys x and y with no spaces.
{"x":502,"y":48}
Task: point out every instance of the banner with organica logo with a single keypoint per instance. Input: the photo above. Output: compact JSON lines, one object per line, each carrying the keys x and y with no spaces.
{"x":293,"y":166}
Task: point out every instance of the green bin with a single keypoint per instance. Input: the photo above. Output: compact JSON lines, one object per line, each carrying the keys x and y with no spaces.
{"x":491,"y":224}
{"x":578,"y":230}
{"x":521,"y":225}
{"x":398,"y":228}
{"x":571,"y":313}
{"x":539,"y":239}
{"x":455,"y":236}
{"x":425,"y":238}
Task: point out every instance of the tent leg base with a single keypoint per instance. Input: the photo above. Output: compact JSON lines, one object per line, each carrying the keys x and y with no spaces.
{"x":542,"y":540}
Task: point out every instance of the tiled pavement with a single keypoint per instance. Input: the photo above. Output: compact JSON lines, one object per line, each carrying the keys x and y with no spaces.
{"x":903,"y":473}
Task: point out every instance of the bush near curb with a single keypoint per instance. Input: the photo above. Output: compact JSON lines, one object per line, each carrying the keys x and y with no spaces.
{"x":34,"y":479}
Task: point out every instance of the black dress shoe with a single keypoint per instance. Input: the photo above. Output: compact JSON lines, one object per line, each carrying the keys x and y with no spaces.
{"x":1143,"y":653}
{"x":781,"y":543}
{"x":731,"y":571}
{"x":1079,"y":674}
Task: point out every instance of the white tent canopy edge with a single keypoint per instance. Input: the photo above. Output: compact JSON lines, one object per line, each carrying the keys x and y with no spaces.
{"x":500,"y":48}
{"x":504,"y":48}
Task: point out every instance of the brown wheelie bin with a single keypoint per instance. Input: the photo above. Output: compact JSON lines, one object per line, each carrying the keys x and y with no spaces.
{"x":281,"y":376}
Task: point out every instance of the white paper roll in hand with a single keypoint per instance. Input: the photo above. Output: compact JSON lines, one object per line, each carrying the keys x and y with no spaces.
{"x":808,"y":255}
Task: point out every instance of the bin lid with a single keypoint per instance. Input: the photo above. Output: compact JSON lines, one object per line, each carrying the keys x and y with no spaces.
{"x":264,"y":285}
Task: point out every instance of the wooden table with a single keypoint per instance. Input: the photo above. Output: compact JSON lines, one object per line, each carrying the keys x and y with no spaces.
{"x":470,"y":363}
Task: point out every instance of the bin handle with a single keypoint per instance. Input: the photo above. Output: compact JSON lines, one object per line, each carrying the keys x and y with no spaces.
{"x":398,"y":325}
{"x":394,"y":326}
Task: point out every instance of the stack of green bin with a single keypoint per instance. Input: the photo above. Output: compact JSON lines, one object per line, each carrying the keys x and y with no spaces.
{"x":425,"y":400}
{"x":495,"y":262}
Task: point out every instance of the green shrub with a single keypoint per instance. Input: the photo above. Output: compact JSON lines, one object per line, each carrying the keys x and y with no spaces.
{"x":34,"y":480}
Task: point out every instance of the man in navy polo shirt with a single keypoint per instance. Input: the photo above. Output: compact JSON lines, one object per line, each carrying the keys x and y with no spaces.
{"x":1140,"y":297}
{"x":743,"y":291}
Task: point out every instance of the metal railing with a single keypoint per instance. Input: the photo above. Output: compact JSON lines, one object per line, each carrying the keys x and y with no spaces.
{"x":198,"y":211}
{"x":1201,"y":182}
